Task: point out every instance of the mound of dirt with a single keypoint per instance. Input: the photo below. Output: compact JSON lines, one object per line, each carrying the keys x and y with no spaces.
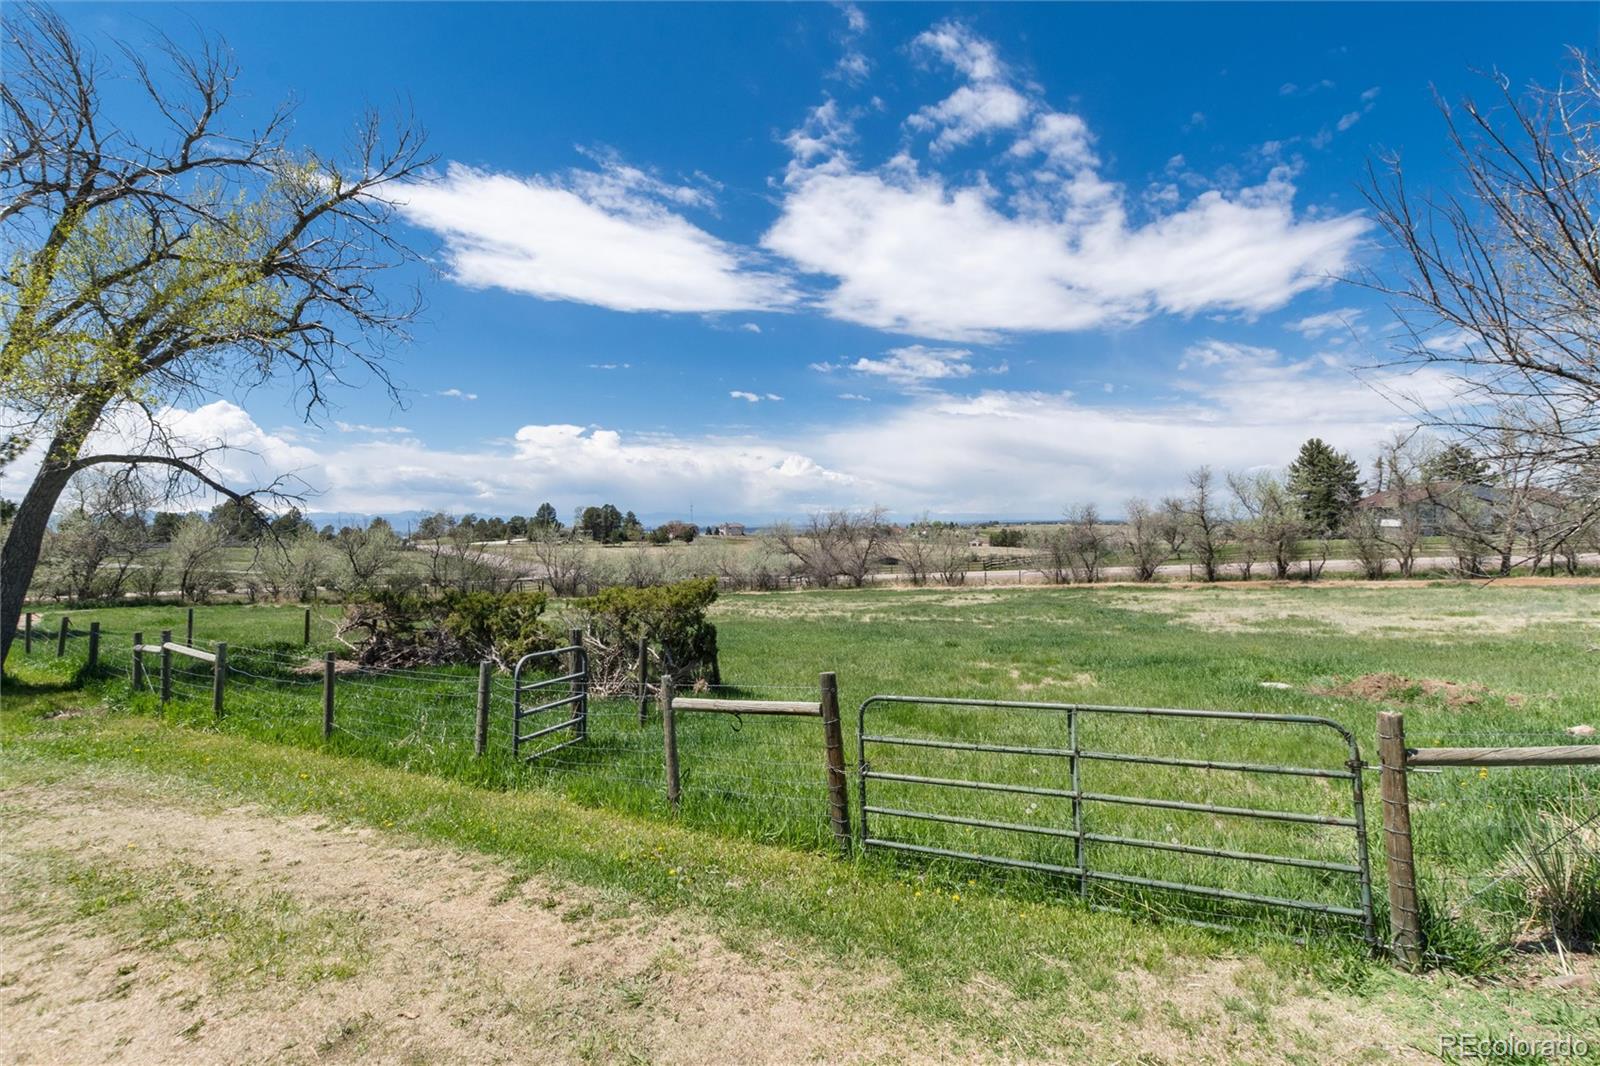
{"x":1396,"y":688}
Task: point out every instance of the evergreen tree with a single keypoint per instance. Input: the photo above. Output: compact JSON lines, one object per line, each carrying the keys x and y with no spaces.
{"x":545,"y":518}
{"x":1457,"y":463}
{"x":1327,"y":483}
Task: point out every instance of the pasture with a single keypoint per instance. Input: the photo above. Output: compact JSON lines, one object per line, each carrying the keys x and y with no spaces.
{"x":750,"y":850}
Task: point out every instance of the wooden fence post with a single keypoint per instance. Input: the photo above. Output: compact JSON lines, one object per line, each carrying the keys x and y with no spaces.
{"x":188,"y":627}
{"x":644,"y":679}
{"x":138,"y":662}
{"x":833,"y":744}
{"x":27,"y":632}
{"x":219,"y":678}
{"x":480,"y":741}
{"x":166,"y":667}
{"x":669,"y":734}
{"x":94,"y":646}
{"x":61,"y":637}
{"x":579,"y":686}
{"x":305,"y":633}
{"x":1405,"y":919}
{"x":328,"y":675}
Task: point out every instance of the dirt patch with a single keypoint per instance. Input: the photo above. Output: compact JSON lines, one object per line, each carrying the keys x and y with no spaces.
{"x":1394,"y":688}
{"x":1498,"y":609}
{"x":449,"y":957}
{"x":314,"y":667}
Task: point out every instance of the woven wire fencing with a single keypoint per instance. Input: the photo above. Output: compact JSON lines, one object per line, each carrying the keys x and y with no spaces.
{"x":756,"y":777}
{"x":1499,"y":849}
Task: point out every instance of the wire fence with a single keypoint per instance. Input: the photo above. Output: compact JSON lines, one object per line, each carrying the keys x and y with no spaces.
{"x":756,"y":777}
{"x":1491,"y":844}
{"x":1501,"y":851}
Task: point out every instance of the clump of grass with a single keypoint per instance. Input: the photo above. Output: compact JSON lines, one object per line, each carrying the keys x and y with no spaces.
{"x":1556,"y":865}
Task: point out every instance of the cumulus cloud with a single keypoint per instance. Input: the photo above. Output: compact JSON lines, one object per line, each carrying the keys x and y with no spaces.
{"x":1236,"y":407}
{"x":913,"y":251}
{"x":748,"y":397}
{"x":1038,"y":240}
{"x":916,"y":363}
{"x":613,"y":237}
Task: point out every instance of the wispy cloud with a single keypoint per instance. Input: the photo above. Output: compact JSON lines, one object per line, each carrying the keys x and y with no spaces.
{"x":359,"y":427}
{"x":913,"y":251}
{"x":610,"y":366}
{"x":457,"y":394}
{"x":613,"y":237}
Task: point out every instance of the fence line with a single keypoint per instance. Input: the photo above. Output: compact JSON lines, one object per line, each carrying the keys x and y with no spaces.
{"x":1467,"y":810}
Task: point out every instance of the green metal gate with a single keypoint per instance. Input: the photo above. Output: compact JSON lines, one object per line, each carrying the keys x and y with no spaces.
{"x":1153,"y":808}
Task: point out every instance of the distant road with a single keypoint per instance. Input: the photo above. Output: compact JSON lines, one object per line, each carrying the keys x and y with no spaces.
{"x":1185,"y":571}
{"x":1025,"y":576}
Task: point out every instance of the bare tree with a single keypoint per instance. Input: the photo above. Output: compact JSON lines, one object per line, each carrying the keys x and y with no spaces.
{"x":295,"y":565}
{"x":951,"y":556}
{"x":1146,"y":541}
{"x":1499,"y":285}
{"x":1173,"y":525}
{"x":139,"y":274}
{"x":1274,"y":520}
{"x":836,"y":544}
{"x":1364,"y":529}
{"x":1207,"y":528}
{"x":917,"y":546}
{"x":365,"y":555}
{"x":1407,"y":493}
{"x":194,"y":555}
{"x":1054,"y":545}
{"x":562,"y":561}
{"x":1088,"y":542}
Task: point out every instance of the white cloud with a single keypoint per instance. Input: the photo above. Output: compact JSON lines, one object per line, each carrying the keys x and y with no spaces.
{"x":748,"y":397}
{"x":1344,"y":321}
{"x":916,"y":363}
{"x":1247,"y":408}
{"x":610,"y":366}
{"x":1211,"y":353}
{"x":750,"y":327}
{"x":970,"y":111}
{"x":1346,"y":120}
{"x":1040,"y":241}
{"x":916,"y":252}
{"x":774,"y":397}
{"x":855,"y":396}
{"x":457,"y":394}
{"x":357,"y":427}
{"x":611,"y":237}
{"x":855,"y":19}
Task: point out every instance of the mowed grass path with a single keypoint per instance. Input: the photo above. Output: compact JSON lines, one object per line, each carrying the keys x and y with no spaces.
{"x":1065,"y":977}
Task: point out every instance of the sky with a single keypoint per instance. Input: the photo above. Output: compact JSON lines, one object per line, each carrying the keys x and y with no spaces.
{"x":747,"y":261}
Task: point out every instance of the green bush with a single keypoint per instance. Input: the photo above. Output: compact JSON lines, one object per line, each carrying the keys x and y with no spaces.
{"x":503,"y":626}
{"x":671,"y":617}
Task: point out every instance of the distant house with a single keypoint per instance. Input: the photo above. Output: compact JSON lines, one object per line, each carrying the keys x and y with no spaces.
{"x":1435,"y":501}
{"x":730,"y":529}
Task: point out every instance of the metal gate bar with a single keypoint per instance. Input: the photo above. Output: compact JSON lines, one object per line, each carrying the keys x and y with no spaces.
{"x":576,"y":679}
{"x":1361,"y":868}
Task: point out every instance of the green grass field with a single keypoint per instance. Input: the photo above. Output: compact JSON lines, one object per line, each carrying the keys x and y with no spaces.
{"x":1522,"y":657}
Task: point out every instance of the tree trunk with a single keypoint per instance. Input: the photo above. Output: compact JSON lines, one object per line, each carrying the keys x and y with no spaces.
{"x":20,"y":556}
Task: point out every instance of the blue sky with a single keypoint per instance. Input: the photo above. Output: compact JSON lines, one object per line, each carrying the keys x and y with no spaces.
{"x":974,"y":260}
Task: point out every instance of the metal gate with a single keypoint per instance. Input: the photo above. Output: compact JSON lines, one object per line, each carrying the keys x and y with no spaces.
{"x":1020,"y":785}
{"x":575,"y":661}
